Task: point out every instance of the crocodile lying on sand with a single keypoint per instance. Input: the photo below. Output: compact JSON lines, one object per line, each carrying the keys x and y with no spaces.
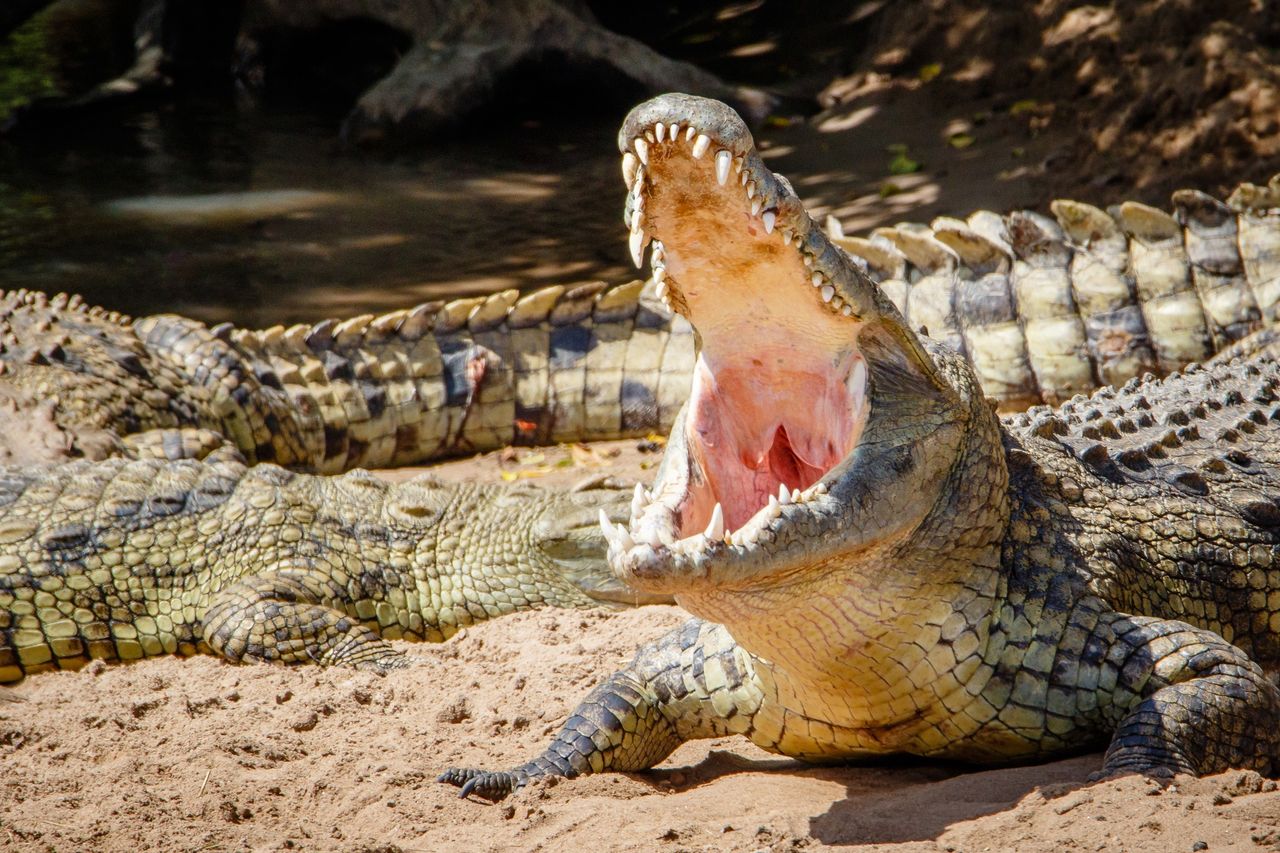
{"x":878,"y":563}
{"x":125,"y":560}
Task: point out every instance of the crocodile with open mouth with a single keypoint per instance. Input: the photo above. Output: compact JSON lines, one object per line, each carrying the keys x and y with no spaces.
{"x":877,"y":562}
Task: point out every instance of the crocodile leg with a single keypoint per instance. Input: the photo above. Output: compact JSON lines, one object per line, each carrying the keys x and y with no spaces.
{"x":288,"y":616}
{"x":696,"y":682}
{"x":1202,"y":706}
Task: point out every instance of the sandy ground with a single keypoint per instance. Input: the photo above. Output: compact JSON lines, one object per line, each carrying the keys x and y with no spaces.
{"x":197,"y":754}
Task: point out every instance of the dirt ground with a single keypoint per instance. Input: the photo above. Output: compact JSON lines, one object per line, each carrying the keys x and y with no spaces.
{"x":196,"y":754}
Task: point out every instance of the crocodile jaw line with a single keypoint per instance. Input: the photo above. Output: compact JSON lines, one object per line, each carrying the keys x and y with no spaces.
{"x":779,"y":395}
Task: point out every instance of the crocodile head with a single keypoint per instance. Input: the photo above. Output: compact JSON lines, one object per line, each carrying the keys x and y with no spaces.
{"x":822,"y":439}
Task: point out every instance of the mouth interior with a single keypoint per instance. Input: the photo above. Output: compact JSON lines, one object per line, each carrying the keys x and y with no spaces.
{"x":779,"y":390}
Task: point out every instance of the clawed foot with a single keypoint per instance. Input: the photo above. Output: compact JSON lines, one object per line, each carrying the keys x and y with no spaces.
{"x":491,"y":786}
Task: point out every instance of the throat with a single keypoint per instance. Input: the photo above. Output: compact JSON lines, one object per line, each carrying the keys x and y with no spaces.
{"x":764,"y":426}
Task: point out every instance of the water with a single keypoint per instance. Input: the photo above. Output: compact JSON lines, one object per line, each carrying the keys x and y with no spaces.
{"x":224,"y":211}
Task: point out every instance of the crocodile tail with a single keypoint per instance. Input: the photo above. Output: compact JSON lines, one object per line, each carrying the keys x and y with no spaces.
{"x":1047,"y":308}
{"x":448,"y":378}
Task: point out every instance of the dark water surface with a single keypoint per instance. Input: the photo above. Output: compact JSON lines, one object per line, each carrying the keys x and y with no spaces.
{"x":225,"y":211}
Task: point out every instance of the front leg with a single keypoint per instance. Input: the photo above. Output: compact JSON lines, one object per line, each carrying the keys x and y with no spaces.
{"x":293,"y":615}
{"x":696,"y":682}
{"x":1199,"y":705}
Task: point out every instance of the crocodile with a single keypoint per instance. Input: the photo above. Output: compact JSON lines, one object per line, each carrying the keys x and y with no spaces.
{"x":128,"y":558}
{"x":878,"y":563}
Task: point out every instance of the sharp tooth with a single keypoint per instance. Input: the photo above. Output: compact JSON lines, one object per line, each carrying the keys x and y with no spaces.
{"x":715,"y":528}
{"x":795,"y":495}
{"x":629,"y":166}
{"x":637,"y":242}
{"x":769,"y":218}
{"x":700,"y":147}
{"x":808,"y":260}
{"x":637,"y":217}
{"x":649,"y":136}
{"x":642,"y":150}
{"x":737,"y":165}
{"x":723,"y":160}
{"x":617,"y":535}
{"x":674,"y":133}
{"x":755,"y":207}
{"x":846,"y":310}
{"x":744,"y":177}
{"x":660,"y":132}
{"x":827,"y":292}
{"x":639,"y":501}
{"x":751,"y":189}
{"x":816,"y":279}
{"x":662,"y":284}
{"x":690,"y":133}
{"x":784,"y":497}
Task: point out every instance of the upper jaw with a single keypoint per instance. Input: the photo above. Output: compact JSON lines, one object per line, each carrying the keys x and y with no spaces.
{"x":686,"y":129}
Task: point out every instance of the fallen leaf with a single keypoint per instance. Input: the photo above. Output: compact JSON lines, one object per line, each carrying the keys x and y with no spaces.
{"x":959,"y":140}
{"x":928,"y":72}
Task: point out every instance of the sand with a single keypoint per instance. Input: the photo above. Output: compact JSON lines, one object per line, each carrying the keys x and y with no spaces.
{"x":197,"y":754}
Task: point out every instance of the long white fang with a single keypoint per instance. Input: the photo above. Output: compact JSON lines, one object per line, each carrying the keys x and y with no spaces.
{"x":700,"y":147}
{"x":660,"y":132}
{"x":690,"y":133}
{"x":629,"y":166}
{"x":784,"y":497}
{"x":636,"y":242}
{"x":755,"y":207}
{"x":638,"y":501}
{"x":715,"y":529}
{"x":642,"y":150}
{"x":723,"y":160}
{"x":827,"y":292}
{"x":616,"y":535}
{"x":674,"y":132}
{"x":769,"y":219}
{"x":751,"y":189}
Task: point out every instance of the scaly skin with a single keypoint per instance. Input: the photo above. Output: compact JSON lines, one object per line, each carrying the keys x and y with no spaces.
{"x":879,"y":564}
{"x":410,"y":386}
{"x":119,"y":560}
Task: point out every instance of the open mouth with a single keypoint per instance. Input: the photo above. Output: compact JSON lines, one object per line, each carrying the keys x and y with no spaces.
{"x":780,"y":390}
